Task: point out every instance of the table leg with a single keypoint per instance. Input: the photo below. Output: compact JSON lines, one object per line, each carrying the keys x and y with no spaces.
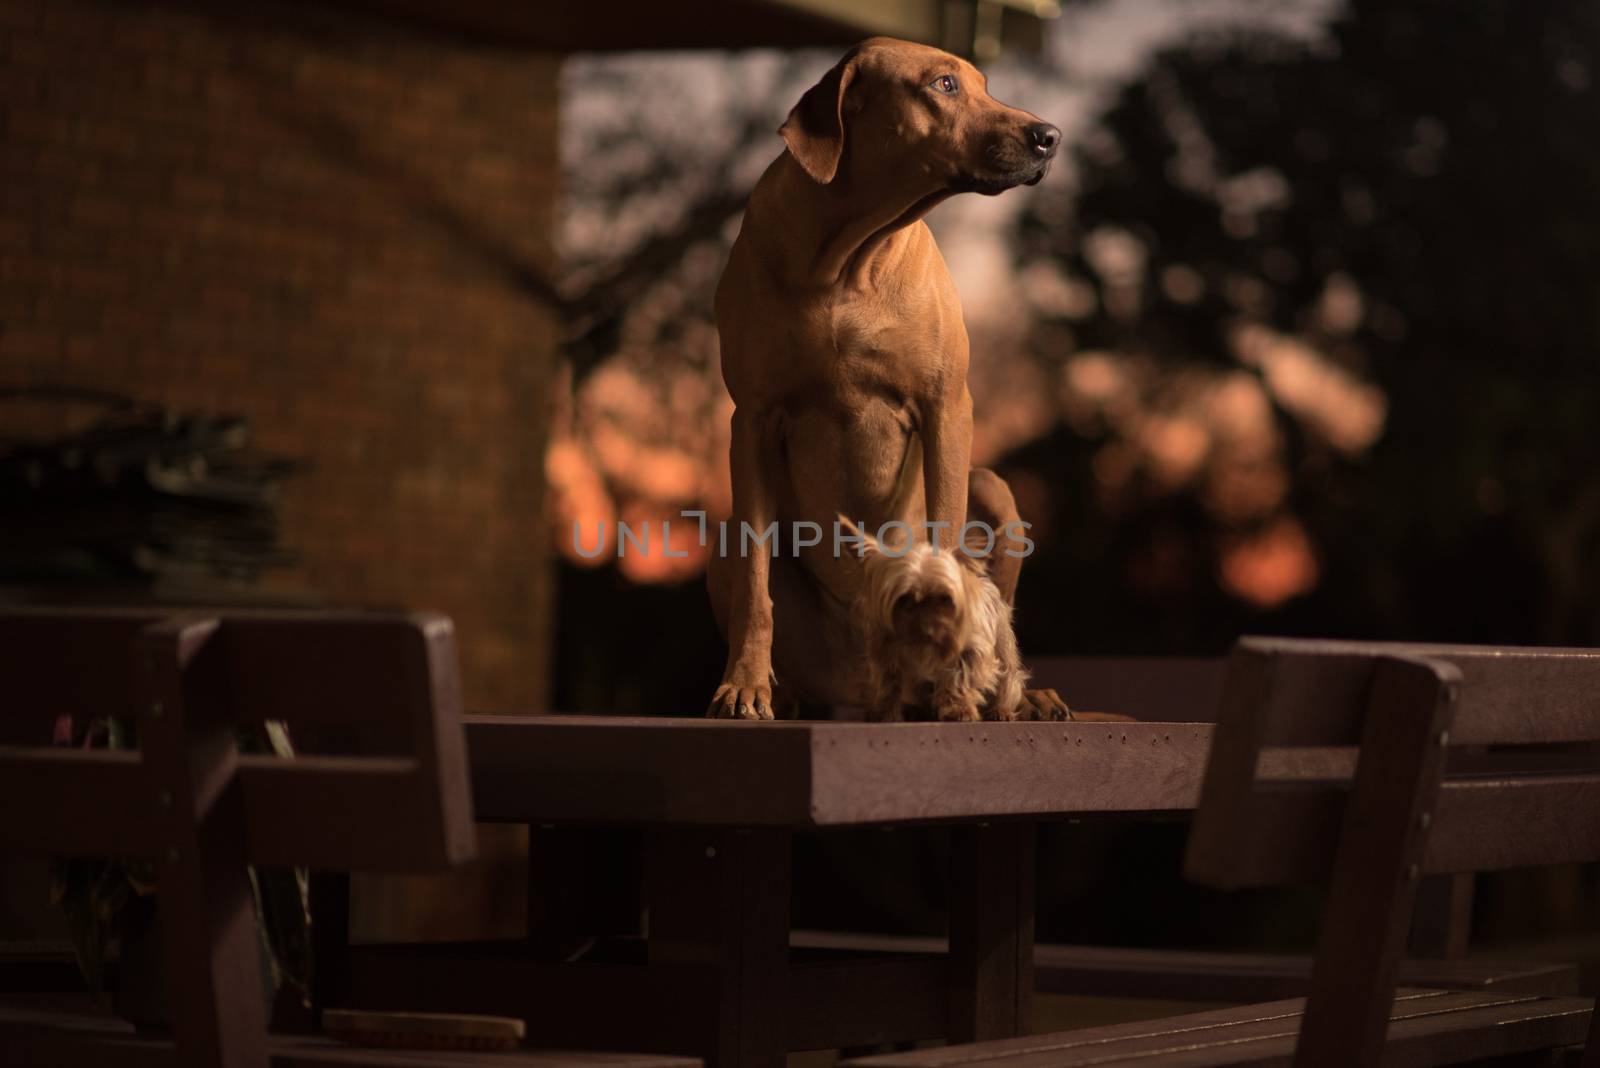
{"x":721,"y":898}
{"x":991,"y":931}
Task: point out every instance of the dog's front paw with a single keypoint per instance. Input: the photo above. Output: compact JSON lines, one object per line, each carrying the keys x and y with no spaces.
{"x":1044,"y":705}
{"x":958,"y":712}
{"x":735,"y":701}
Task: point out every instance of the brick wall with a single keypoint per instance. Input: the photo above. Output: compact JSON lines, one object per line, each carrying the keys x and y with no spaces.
{"x":328,"y":224}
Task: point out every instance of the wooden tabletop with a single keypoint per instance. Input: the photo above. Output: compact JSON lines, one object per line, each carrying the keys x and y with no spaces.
{"x":652,"y":770}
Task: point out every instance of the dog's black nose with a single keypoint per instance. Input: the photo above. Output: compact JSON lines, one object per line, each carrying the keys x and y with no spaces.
{"x":1043,"y":139}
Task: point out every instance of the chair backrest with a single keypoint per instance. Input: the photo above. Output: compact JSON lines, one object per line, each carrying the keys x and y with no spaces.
{"x":1371,"y":765}
{"x":187,"y":798}
{"x":408,"y":809}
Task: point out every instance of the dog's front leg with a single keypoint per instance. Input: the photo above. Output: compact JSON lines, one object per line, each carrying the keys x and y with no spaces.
{"x":746,"y":690}
{"x":946,"y":461}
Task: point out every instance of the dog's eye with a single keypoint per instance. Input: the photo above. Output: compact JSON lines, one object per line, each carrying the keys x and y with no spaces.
{"x":945,"y":83}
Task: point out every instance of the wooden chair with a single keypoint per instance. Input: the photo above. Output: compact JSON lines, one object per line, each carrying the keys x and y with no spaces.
{"x":1402,"y":812}
{"x":190,"y":800}
{"x":1185,"y":689}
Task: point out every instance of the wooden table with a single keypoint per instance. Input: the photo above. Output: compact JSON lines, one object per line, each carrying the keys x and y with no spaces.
{"x":718,"y":803}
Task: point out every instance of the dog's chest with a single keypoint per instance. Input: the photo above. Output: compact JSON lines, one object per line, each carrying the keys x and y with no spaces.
{"x":873,"y":346}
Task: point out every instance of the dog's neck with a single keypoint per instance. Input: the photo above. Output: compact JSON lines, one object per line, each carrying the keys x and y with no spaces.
{"x":842,"y":244}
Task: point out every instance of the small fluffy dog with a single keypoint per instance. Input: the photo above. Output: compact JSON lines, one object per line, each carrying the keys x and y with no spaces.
{"x":937,"y":636}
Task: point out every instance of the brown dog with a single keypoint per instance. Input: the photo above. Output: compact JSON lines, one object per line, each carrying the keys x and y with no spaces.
{"x":845,"y":353}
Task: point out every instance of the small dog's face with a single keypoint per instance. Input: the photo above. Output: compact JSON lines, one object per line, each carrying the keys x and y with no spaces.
{"x":920,"y":597}
{"x":936,"y":633}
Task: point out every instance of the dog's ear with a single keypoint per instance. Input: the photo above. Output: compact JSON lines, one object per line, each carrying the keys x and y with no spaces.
{"x":968,"y":558}
{"x":814,"y":130}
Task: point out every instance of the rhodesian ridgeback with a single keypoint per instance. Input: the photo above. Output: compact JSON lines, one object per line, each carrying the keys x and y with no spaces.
{"x":845,"y":353}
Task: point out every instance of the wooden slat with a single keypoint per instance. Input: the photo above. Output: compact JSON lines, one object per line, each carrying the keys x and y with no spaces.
{"x":297,"y":1052}
{"x":1496,"y":824}
{"x":209,"y":942}
{"x":1197,"y":975}
{"x":77,"y":803}
{"x":1409,"y":710}
{"x":343,"y":813}
{"x":43,"y":1038}
{"x":321,"y":669}
{"x":1480,"y":825}
{"x":1428,"y":1028}
{"x":1509,"y":695}
{"x":888,"y":773}
{"x":718,"y":773}
{"x":322,"y":812}
{"x":60,"y":663}
{"x":532,"y":769}
{"x":305,"y":667}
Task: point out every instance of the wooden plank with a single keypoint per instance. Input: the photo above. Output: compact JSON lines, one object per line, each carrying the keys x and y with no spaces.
{"x":1179,"y":975}
{"x":991,"y":903}
{"x":1230,"y":810}
{"x":891,"y":773}
{"x":60,"y":663}
{"x":324,"y":1053}
{"x":1192,"y":975}
{"x":1492,"y":824}
{"x":321,"y":666}
{"x":1429,"y":1027}
{"x":323,"y":812}
{"x":1509,"y":695}
{"x":92,"y":803}
{"x":324,"y":668}
{"x":542,"y":769}
{"x":345,"y":813}
{"x":1480,"y":824}
{"x":1410,"y":711}
{"x":48,"y":1038}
